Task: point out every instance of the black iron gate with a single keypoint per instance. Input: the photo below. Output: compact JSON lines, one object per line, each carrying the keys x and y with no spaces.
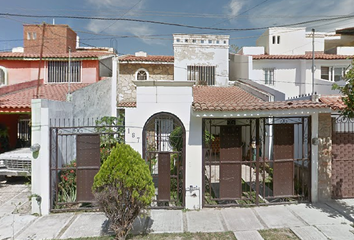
{"x":256,"y":161}
{"x":164,"y":151}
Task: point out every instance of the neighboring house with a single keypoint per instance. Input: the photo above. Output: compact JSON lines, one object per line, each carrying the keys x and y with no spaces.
{"x":221,"y":144}
{"x":282,"y":61}
{"x":45,"y":61}
{"x":141,"y":67}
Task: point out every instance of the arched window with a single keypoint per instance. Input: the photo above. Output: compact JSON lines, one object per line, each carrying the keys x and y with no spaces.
{"x":142,"y":74}
{"x":3,"y":76}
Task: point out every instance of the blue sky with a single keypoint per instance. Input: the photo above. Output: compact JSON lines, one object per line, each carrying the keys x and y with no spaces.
{"x":129,"y":37}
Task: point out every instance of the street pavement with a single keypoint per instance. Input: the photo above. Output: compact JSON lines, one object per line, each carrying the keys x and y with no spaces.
{"x":327,"y":220}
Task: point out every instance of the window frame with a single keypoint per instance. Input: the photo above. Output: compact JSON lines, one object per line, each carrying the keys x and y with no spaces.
{"x":331,"y":75}
{"x":4,"y":71}
{"x":147,"y":74}
{"x":269,"y":72}
{"x":201,"y":74}
{"x":57,"y":75}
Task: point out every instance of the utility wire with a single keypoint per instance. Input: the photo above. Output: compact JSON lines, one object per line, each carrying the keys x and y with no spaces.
{"x":171,"y":24}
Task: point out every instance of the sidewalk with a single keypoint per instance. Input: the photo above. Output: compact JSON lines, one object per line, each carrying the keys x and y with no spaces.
{"x":330,"y":220}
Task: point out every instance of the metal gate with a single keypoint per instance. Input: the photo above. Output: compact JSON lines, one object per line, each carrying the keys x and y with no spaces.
{"x":256,"y":161}
{"x":342,"y":157}
{"x":164,"y":151}
{"x":75,"y":158}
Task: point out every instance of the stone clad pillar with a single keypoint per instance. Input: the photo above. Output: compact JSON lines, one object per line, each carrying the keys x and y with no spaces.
{"x":324,"y":156}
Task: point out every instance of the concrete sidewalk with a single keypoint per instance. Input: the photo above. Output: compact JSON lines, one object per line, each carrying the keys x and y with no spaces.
{"x":312,"y":221}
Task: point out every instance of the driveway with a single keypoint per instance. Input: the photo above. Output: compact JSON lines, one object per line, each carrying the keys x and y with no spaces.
{"x":14,"y":193}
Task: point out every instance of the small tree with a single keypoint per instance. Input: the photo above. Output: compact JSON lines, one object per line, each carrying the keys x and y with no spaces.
{"x":348,"y":93}
{"x":123,"y":187}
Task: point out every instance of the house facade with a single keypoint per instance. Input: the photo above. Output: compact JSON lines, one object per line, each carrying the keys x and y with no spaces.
{"x":282,"y":61}
{"x":49,"y":52}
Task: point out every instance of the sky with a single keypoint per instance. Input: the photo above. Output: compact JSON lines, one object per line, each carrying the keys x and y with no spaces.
{"x":243,"y":20}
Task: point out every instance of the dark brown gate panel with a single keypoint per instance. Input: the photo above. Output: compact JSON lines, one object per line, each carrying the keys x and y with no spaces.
{"x":230,"y":158}
{"x":283,"y":172}
{"x":343,"y":165}
{"x":88,"y":164}
{"x":164,"y":179}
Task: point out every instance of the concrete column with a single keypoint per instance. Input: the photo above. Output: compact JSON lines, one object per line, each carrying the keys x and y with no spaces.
{"x":115,"y":74}
{"x":314,"y":157}
{"x":193,"y":168}
{"x":40,"y":164}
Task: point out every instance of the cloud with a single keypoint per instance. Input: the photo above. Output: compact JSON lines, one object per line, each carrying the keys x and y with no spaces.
{"x":124,"y":9}
{"x":279,"y":12}
{"x":233,"y":8}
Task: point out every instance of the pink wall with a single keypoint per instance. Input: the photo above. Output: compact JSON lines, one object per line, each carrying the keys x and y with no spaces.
{"x":22,"y":71}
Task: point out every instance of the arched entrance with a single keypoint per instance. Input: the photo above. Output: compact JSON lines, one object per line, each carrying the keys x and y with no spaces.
{"x":164,"y":151}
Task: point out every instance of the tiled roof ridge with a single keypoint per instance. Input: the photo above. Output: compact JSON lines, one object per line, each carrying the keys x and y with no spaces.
{"x":19,"y":86}
{"x":301,"y":56}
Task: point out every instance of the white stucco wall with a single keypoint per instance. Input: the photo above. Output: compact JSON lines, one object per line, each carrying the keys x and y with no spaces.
{"x":42,"y":111}
{"x":196,"y":50}
{"x":173,"y":97}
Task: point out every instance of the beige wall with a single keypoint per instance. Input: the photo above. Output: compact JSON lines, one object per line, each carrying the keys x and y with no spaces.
{"x":324,"y":156}
{"x":126,"y":89}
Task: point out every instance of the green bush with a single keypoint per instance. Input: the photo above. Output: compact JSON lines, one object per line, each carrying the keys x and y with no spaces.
{"x":123,"y":187}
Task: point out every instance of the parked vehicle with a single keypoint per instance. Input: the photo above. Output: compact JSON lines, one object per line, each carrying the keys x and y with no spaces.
{"x":16,"y":162}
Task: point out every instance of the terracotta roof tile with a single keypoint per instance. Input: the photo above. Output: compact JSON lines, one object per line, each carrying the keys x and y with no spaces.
{"x":333,"y":101}
{"x":21,"y":100}
{"x":156,"y":58}
{"x":127,"y":104}
{"x":88,"y":54}
{"x":305,"y":56}
{"x":236,"y":99}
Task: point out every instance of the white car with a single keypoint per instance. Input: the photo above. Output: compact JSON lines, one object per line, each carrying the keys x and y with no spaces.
{"x":16,"y":162}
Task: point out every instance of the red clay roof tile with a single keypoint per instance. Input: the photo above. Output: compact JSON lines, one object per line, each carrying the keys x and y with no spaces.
{"x":156,"y":58}
{"x":334,"y":101}
{"x":14,"y":101}
{"x":88,"y":54}
{"x":235,"y":99}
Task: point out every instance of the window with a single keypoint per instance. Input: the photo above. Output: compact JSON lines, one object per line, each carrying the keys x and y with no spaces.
{"x":23,"y":133}
{"x":185,"y":40}
{"x":34,"y":35}
{"x":217,"y":41}
{"x":3,"y":76}
{"x":269,"y":76}
{"x":141,"y":74}
{"x":210,"y":41}
{"x":204,"y":75}
{"x":58,"y":72}
{"x":333,"y":73}
{"x":194,"y":41}
{"x":177,"y":40}
{"x":28,"y":36}
{"x":325,"y":73}
{"x":278,"y":40}
{"x":201,"y":41}
{"x":273,"y":39}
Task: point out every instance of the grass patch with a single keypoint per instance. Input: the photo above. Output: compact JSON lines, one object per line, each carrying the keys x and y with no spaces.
{"x":278,"y":234}
{"x":172,"y":236}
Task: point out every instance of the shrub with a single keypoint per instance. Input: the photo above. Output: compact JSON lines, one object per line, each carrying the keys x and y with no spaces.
{"x":123,"y":187}
{"x":67,"y":183}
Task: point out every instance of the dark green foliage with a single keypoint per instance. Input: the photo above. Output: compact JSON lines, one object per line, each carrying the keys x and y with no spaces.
{"x":111,"y":131}
{"x":123,"y":187}
{"x":348,"y":93}
{"x":176,"y":139}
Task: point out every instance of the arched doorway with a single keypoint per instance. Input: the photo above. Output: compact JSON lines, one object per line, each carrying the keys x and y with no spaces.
{"x":164,"y":151}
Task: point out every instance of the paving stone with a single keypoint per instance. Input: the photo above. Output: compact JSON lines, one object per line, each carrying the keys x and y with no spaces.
{"x":79,"y":227}
{"x":207,"y":220}
{"x":11,"y":225}
{"x":278,"y":217}
{"x":308,"y":233}
{"x":166,"y":221}
{"x":241,"y":219}
{"x":247,"y":235}
{"x":337,"y":232}
{"x":46,"y":227}
{"x":318,"y":214}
